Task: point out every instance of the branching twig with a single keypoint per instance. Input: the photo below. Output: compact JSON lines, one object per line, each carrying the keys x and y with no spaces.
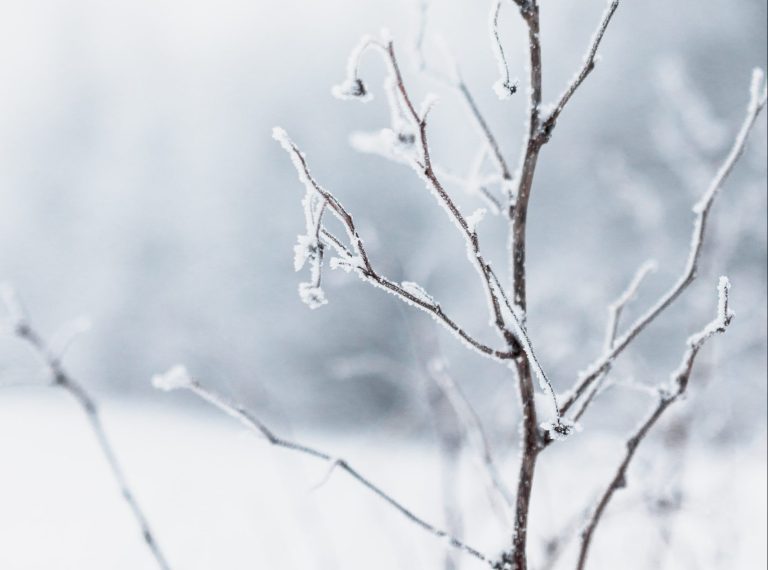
{"x":504,"y":87}
{"x":702,"y":210}
{"x":61,"y":378}
{"x":178,"y":378}
{"x":589,"y":64}
{"x":361,"y":263}
{"x":614,"y":315}
{"x":667,"y":396}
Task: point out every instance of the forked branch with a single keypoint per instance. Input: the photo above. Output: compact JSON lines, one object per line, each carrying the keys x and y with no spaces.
{"x":701,"y":210}
{"x":667,"y":395}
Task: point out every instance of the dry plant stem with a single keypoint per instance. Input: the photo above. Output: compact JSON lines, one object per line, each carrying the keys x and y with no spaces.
{"x":614,"y":316}
{"x":367,"y":271}
{"x":518,"y":211}
{"x":469,"y":234}
{"x":63,"y":380}
{"x":702,"y":210}
{"x":254,"y":424}
{"x":538,"y":135}
{"x":667,"y":396}
{"x":485,"y":129}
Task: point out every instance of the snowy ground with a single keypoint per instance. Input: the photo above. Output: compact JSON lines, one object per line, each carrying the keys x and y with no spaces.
{"x":220,"y":499}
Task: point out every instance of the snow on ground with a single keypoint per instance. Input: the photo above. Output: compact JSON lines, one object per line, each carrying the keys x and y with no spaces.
{"x":219,"y":498}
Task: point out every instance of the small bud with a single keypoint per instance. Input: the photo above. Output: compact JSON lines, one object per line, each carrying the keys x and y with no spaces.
{"x":350,"y":89}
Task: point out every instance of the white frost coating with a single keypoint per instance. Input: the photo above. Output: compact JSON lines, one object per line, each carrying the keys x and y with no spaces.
{"x":352,"y":90}
{"x":426,"y":106}
{"x":629,"y":293}
{"x":525,"y":342}
{"x":346,"y":262}
{"x":475,"y":218}
{"x":724,"y":315}
{"x":312,"y":295}
{"x":417,"y":291}
{"x":560,"y":429}
{"x":757,"y":97}
{"x":175,"y":378}
{"x":504,"y":87}
{"x":757,"y":100}
{"x":306,"y":248}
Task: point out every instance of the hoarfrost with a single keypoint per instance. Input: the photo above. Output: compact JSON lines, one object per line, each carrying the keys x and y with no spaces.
{"x":475,"y":218}
{"x":173,"y":379}
{"x":312,"y":295}
{"x":417,"y":291}
{"x":560,"y":428}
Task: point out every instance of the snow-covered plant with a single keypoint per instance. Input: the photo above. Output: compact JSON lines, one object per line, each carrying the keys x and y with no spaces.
{"x":406,"y":140}
{"x":507,"y":192}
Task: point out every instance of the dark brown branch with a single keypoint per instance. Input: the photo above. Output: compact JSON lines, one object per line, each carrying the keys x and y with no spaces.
{"x":667,"y":396}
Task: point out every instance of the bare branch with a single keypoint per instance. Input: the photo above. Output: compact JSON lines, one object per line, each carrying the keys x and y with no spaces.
{"x":667,"y":396}
{"x":504,"y":87}
{"x":614,"y":315}
{"x":178,"y":378}
{"x":589,"y":64}
{"x":702,"y":210}
{"x":61,"y":378}
{"x":363,"y":266}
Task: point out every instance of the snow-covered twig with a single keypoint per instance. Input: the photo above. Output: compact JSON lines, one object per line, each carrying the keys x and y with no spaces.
{"x":701,"y":210}
{"x":504,"y":87}
{"x":590,"y":60}
{"x":455,"y":81}
{"x":536,"y":138}
{"x":364,"y":267}
{"x":667,"y":396}
{"x":615,"y":310}
{"x":178,"y":378}
{"x":62,"y":379}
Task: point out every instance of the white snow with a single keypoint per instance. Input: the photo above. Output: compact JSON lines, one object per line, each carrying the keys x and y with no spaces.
{"x":219,"y":497}
{"x":173,"y":379}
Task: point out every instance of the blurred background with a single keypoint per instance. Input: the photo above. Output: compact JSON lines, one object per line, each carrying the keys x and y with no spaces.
{"x":140,"y":188}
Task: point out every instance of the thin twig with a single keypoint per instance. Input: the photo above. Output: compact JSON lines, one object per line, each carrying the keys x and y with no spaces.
{"x":536,"y":137}
{"x":589,"y":64}
{"x":62,"y":379}
{"x":667,"y":396}
{"x":615,"y":310}
{"x":364,"y":268}
{"x":701,"y":209}
{"x":178,"y":378}
{"x":504,"y":87}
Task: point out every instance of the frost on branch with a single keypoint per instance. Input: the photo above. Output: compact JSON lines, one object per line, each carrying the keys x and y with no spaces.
{"x":475,"y":218}
{"x":504,"y":87}
{"x":560,"y":428}
{"x":418,"y":292}
{"x":312,"y":295}
{"x":353,"y":88}
{"x":308,"y":249}
{"x":175,"y":378}
{"x":724,"y":315}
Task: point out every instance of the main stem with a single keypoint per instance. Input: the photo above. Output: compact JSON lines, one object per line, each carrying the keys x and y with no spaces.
{"x":518,"y":212}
